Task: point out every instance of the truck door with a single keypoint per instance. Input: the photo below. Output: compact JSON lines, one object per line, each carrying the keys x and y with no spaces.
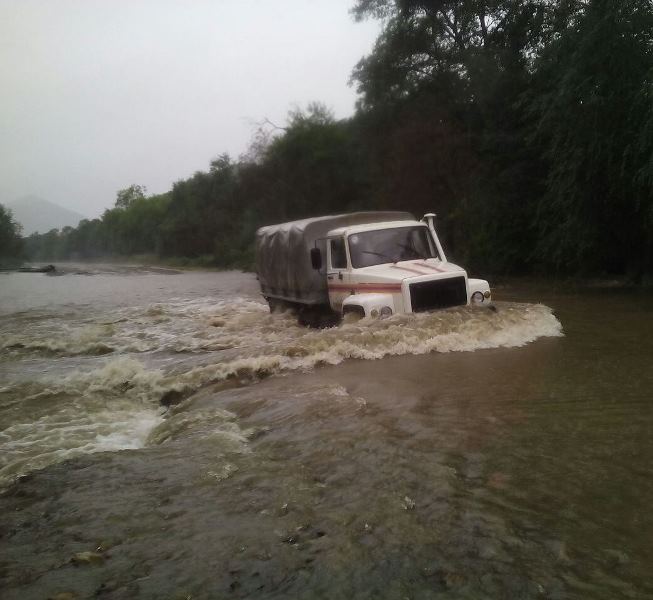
{"x":337,"y":272}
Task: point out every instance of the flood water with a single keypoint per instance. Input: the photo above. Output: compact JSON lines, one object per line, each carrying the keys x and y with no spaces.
{"x":163,"y":436}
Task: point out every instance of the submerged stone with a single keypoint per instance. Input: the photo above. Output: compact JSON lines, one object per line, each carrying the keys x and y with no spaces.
{"x":87,"y":558}
{"x":171,"y":397}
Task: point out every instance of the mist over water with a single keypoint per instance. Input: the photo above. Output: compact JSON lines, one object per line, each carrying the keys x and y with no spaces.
{"x":461,"y":452}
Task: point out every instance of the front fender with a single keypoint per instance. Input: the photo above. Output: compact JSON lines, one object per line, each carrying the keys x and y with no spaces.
{"x":482,"y":286}
{"x":369,"y":305}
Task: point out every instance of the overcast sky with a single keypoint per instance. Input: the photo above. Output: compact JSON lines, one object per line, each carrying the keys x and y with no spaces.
{"x":98,"y":94}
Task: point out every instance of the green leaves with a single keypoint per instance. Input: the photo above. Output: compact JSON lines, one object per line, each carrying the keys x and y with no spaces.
{"x":554,"y":97}
{"x":592,"y":103}
{"x":11,"y":246}
{"x":125,"y":198}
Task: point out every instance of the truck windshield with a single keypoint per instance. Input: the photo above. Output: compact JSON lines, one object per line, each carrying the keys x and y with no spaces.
{"x":390,"y":245}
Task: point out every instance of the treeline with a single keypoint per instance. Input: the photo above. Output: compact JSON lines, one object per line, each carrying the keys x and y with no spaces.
{"x":12,"y":249}
{"x":527,"y":125}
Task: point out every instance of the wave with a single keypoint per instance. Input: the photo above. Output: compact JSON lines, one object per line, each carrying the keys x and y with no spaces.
{"x":256,"y":344}
{"x":117,"y":405}
{"x":290,"y":347}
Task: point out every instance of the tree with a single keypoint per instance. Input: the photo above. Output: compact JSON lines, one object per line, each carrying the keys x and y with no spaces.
{"x":461,"y":45}
{"x":314,"y":167}
{"x":458,"y":69}
{"x":593,"y":99}
{"x":11,"y":245}
{"x":125,"y":198}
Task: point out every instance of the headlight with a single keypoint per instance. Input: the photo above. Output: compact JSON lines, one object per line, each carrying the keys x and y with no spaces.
{"x":386,"y":311}
{"x":487,"y":293}
{"x":477,"y":297}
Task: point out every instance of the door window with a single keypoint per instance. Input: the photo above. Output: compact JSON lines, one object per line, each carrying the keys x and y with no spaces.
{"x":338,"y":254}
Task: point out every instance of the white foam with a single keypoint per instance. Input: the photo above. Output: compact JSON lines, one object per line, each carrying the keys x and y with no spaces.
{"x":462,"y":330}
{"x":68,"y":433}
{"x":116,"y":405}
{"x":130,"y":434}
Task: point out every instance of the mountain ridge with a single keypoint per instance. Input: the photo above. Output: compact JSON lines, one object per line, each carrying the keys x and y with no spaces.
{"x":36,"y":214}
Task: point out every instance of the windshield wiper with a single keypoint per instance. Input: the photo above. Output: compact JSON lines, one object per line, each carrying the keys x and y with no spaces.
{"x":412,"y":249}
{"x":390,"y":258}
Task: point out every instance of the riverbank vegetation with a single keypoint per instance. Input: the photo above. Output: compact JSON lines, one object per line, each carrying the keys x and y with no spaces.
{"x":527,"y":125}
{"x":11,"y":242}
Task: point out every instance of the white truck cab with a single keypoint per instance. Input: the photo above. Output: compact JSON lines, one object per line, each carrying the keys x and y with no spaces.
{"x":370,"y":264}
{"x":380,"y":269}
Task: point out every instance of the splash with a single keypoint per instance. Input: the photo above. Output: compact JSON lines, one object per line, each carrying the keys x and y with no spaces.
{"x":182,"y":346}
{"x":106,"y":409}
{"x":269,"y":347}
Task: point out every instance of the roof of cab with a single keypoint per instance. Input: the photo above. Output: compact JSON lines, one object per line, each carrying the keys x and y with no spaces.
{"x":351,"y":229}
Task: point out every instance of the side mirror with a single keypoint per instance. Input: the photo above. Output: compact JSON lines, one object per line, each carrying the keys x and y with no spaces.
{"x":316,"y":258}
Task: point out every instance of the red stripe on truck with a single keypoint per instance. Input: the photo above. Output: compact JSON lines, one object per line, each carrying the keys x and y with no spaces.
{"x":438,"y":269}
{"x":416,"y":271}
{"x":365,"y":287}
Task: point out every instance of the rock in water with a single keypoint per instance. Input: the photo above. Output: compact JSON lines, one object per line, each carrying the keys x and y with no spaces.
{"x":87,"y":558}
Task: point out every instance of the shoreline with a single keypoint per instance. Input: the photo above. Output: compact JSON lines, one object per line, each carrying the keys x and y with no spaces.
{"x":132,"y":262}
{"x":551,"y":283}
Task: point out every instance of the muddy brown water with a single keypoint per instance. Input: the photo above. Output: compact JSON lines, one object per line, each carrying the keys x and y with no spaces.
{"x":459,"y":454}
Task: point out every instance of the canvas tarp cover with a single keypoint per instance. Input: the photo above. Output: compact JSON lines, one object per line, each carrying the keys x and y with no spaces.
{"x":283,"y":261}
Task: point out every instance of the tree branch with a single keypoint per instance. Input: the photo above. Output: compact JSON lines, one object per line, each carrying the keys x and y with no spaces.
{"x":267,"y":121}
{"x":481,"y":18}
{"x":451,"y":26}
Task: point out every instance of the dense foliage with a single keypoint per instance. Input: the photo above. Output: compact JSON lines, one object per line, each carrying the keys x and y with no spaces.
{"x":11,"y":243}
{"x":527,"y":125}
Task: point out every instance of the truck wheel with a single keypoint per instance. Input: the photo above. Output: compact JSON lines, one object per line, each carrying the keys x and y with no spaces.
{"x":317,"y":318}
{"x":353,"y":313}
{"x":275,"y":305}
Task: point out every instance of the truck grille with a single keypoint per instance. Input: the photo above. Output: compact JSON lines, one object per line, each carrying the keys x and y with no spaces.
{"x":442,"y":293}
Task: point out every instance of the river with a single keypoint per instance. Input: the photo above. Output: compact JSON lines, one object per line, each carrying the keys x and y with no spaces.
{"x":163,"y":436}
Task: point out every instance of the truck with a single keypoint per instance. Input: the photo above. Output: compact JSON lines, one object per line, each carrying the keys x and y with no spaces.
{"x":363,"y":264}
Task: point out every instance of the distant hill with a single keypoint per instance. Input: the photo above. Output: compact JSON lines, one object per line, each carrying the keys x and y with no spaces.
{"x":37,"y":214}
